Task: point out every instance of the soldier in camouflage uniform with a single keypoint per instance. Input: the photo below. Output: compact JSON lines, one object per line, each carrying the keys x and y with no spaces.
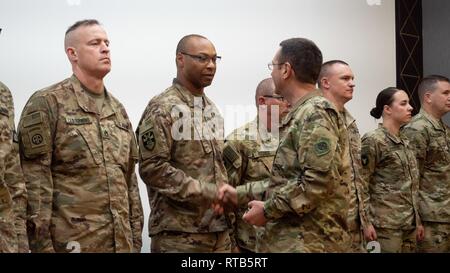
{"x":78,"y":155}
{"x":13,"y":202}
{"x":336,"y":79}
{"x":430,"y":141}
{"x":248,"y":156}
{"x":180,"y":138}
{"x":390,"y":169}
{"x":307,"y":207}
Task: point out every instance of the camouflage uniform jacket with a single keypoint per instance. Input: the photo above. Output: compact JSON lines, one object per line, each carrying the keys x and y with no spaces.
{"x":181,"y":144}
{"x":248,"y":156}
{"x":390,"y":169}
{"x":308,"y":199}
{"x":13,"y":203}
{"x":79,"y":168}
{"x":358,"y":210}
{"x":430,"y":141}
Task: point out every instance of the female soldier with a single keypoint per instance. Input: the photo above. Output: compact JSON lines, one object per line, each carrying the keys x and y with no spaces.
{"x":390,"y":169}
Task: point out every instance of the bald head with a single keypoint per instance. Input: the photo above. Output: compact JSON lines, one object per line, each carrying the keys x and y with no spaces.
{"x":71,"y":37}
{"x":265,"y":88}
{"x":183,"y":44}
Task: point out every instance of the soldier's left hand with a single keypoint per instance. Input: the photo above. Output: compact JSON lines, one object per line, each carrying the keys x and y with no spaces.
{"x":255,"y":214}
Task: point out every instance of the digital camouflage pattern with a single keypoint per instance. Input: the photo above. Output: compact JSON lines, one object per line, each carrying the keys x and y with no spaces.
{"x":13,"y":202}
{"x":430,"y":141}
{"x":183,"y":242}
{"x":308,"y":202}
{"x":437,"y":238}
{"x":79,"y":167}
{"x":358,"y":211}
{"x":397,"y":240}
{"x":248,"y":156}
{"x":390,"y":169}
{"x":181,"y":143}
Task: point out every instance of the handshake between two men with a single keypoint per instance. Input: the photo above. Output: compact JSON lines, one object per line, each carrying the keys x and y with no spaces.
{"x":227,"y":201}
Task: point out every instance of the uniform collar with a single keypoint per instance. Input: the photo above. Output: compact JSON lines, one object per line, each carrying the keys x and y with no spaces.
{"x":87,"y":103}
{"x":188,"y":97}
{"x":393,"y":138}
{"x":294,"y":109}
{"x":437,"y":124}
{"x":349,"y":119}
{"x":264,"y":136}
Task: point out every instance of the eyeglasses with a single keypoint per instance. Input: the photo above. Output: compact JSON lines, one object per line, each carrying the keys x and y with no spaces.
{"x":203,"y":59}
{"x":281,"y":98}
{"x":271,"y":65}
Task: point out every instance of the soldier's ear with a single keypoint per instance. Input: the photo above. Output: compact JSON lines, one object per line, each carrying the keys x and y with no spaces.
{"x":287,"y":71}
{"x":427,"y":97}
{"x":71,"y":53}
{"x":325,"y":83}
{"x":387,"y":109}
{"x":179,"y":60}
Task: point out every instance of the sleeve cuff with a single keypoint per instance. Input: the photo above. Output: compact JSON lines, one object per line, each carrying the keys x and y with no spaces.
{"x":209,"y":191}
{"x":242,"y":196}
{"x":270,"y":210}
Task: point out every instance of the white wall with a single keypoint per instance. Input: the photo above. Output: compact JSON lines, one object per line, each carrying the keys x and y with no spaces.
{"x":246,"y":34}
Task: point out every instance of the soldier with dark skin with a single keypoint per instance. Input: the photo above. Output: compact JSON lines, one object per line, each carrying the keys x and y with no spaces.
{"x":78,"y":154}
{"x":13,"y":197}
{"x":430,"y":140}
{"x":180,"y":137}
{"x":392,"y":177}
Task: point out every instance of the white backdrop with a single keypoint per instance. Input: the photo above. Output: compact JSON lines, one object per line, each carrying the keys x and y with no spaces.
{"x":246,"y":34}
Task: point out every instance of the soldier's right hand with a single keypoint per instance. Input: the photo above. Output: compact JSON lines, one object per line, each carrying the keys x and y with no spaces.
{"x":227,"y":195}
{"x":370,"y":233}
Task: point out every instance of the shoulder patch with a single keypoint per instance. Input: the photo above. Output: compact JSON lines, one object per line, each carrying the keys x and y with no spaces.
{"x":151,"y":140}
{"x":148,"y":139}
{"x":32,"y":119}
{"x":147,"y":135}
{"x":322,"y":147}
{"x":35,"y":135}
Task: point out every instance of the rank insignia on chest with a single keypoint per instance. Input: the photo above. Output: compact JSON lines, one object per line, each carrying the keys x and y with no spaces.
{"x":364,"y":160}
{"x":15,"y":137}
{"x":105,"y":133}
